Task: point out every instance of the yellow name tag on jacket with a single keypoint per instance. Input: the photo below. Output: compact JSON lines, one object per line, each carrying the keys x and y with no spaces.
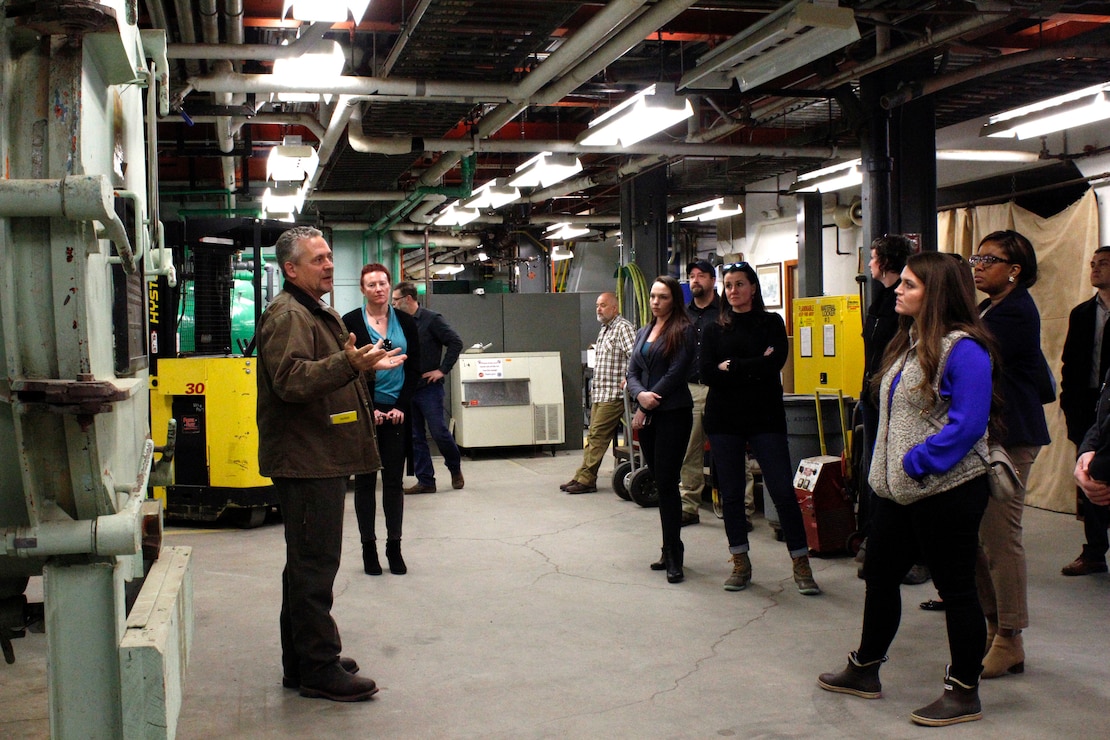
{"x":346,"y":417}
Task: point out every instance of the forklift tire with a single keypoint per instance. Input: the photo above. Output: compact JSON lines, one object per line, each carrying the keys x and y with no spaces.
{"x":620,"y":480}
{"x":641,"y":487}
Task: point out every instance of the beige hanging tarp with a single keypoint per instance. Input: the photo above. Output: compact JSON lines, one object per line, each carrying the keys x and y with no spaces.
{"x":1064,"y":244}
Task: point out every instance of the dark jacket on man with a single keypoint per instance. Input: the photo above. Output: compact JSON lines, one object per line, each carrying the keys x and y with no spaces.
{"x":436,"y":336}
{"x":314,"y":419}
{"x":1077,"y":397}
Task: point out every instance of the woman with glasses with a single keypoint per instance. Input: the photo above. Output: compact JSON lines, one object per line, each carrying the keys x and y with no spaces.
{"x":1005,"y":268}
{"x":656,"y":378}
{"x":742,"y":357}
{"x":935,"y":399}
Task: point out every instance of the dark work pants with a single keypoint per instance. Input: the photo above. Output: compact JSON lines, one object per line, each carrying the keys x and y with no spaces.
{"x":664,"y":446}
{"x":391,"y":448}
{"x":312,"y":509}
{"x":945,"y":529}
{"x":1095,"y":521}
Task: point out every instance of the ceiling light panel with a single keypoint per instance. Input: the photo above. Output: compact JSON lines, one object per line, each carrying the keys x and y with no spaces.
{"x":545,"y":169}
{"x":648,"y":112}
{"x":310,"y":70}
{"x":330,"y":11}
{"x":1055,"y":114}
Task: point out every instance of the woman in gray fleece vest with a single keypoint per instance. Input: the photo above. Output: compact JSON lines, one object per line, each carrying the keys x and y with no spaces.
{"x":931,"y":486}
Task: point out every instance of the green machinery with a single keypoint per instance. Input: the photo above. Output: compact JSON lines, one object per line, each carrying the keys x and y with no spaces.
{"x":79,"y":241}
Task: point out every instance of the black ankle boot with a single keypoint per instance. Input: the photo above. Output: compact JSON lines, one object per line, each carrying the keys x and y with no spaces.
{"x":661,"y":563}
{"x":958,"y":703}
{"x":393,"y":554}
{"x":370,"y":563}
{"x":672,"y":555}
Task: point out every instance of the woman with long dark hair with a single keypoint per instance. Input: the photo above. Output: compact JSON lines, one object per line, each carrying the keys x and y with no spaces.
{"x":657,"y":383}
{"x":935,"y":398}
{"x":742,"y":356}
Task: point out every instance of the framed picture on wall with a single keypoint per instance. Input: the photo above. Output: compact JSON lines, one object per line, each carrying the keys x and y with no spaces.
{"x":770,"y":284}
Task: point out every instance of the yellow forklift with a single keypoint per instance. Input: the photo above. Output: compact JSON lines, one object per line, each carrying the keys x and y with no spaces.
{"x":202,"y":369}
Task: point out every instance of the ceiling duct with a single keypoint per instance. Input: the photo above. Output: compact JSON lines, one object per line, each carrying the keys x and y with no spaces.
{"x":787,"y":39}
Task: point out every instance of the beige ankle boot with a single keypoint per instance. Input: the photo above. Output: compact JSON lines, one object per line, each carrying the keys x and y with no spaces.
{"x":803,"y":577}
{"x":741,"y":573}
{"x":992,"y":630}
{"x":1007,"y":655}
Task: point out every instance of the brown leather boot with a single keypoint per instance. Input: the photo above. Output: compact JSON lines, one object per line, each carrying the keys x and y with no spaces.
{"x":1007,"y":655}
{"x":857,"y":679}
{"x":741,"y":573}
{"x":958,"y":703}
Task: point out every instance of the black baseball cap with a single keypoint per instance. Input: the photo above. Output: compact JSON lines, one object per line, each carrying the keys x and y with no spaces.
{"x":702,"y":265}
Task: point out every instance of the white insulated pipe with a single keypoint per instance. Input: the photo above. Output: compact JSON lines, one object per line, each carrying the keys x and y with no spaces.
{"x":466,"y":92}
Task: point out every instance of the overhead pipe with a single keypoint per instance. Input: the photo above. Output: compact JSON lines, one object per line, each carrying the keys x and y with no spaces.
{"x":186,"y":31}
{"x":410,"y":145}
{"x":344,"y":108}
{"x":611,"y":50}
{"x":921,"y":88}
{"x":291,"y":119}
{"x":408,"y":28}
{"x":251,"y":52}
{"x":462,"y":92}
{"x":416,"y":239}
{"x":210,"y":30}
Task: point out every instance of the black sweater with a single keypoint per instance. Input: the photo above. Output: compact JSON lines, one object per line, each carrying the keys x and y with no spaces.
{"x":747,"y":398}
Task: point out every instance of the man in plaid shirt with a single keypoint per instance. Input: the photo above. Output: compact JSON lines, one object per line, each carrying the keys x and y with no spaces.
{"x":611,"y":352}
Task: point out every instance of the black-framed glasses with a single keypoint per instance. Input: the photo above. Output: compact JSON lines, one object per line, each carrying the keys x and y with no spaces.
{"x":987,"y":260}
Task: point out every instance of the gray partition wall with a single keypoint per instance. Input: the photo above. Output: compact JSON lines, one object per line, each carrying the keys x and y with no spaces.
{"x":529,"y":322}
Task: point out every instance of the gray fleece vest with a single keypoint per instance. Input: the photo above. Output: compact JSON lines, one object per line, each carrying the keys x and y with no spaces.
{"x":903,"y":425}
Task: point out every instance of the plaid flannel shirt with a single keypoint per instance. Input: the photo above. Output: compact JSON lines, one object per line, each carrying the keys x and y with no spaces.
{"x":611,"y":352}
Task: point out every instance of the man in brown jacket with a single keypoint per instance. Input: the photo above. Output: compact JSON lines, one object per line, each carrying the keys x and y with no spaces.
{"x":316,"y":429}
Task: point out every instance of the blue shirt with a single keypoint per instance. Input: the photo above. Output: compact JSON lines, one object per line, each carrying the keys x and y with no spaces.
{"x":387,"y":383}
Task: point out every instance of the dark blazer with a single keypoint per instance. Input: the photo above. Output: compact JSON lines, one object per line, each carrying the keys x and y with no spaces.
{"x":746,"y":398}
{"x":879,"y":329}
{"x":1097,"y":438}
{"x":658,"y":374}
{"x":1015,"y":324}
{"x":1077,"y":397}
{"x":357,"y":325}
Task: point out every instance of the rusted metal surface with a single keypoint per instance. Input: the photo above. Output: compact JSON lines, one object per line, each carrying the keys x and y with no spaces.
{"x":67,"y":18}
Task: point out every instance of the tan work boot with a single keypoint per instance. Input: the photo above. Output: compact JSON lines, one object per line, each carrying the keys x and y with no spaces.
{"x":803,"y":577}
{"x":1007,"y":655}
{"x":741,"y":573}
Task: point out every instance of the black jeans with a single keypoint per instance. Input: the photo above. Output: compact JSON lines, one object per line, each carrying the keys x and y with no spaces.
{"x":391,"y":448}
{"x":773,"y":454}
{"x":945,"y":529}
{"x":312,"y":509}
{"x":664,"y":443}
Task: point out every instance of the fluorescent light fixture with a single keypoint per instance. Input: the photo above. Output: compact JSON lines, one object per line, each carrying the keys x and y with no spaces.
{"x":291,"y":163}
{"x":790,"y":38}
{"x":455,"y":215}
{"x":482,"y":257}
{"x":1079,"y":108}
{"x":558,"y":254}
{"x":493,"y":194}
{"x":828,"y":179}
{"x":711,"y":210}
{"x":448,"y":270}
{"x":333,"y":11}
{"x":545,"y":169}
{"x":986,"y":155}
{"x":646,"y":113}
{"x":283,"y":200}
{"x":563,"y":231}
{"x":309,"y":70}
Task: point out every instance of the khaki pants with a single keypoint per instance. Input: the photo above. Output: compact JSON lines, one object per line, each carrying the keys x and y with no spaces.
{"x":604,"y":417}
{"x":1000,"y":568}
{"x":692,"y":479}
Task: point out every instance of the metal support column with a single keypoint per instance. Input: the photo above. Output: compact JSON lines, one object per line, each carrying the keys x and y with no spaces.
{"x":644,"y":221}
{"x":811,"y":271}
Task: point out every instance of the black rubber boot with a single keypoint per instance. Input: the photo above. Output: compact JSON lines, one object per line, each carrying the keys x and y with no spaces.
{"x":370,"y":564}
{"x":393,"y":554}
{"x":857,"y":679}
{"x":958,"y":703}
{"x":673,"y":557}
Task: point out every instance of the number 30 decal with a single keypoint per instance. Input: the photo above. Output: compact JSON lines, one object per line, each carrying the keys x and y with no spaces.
{"x":194,"y":389}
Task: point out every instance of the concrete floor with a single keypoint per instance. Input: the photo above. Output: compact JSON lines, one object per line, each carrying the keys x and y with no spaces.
{"x":529,"y":613}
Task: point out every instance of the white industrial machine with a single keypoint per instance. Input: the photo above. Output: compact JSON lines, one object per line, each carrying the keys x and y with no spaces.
{"x":506,"y":400}
{"x":78,"y":237}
